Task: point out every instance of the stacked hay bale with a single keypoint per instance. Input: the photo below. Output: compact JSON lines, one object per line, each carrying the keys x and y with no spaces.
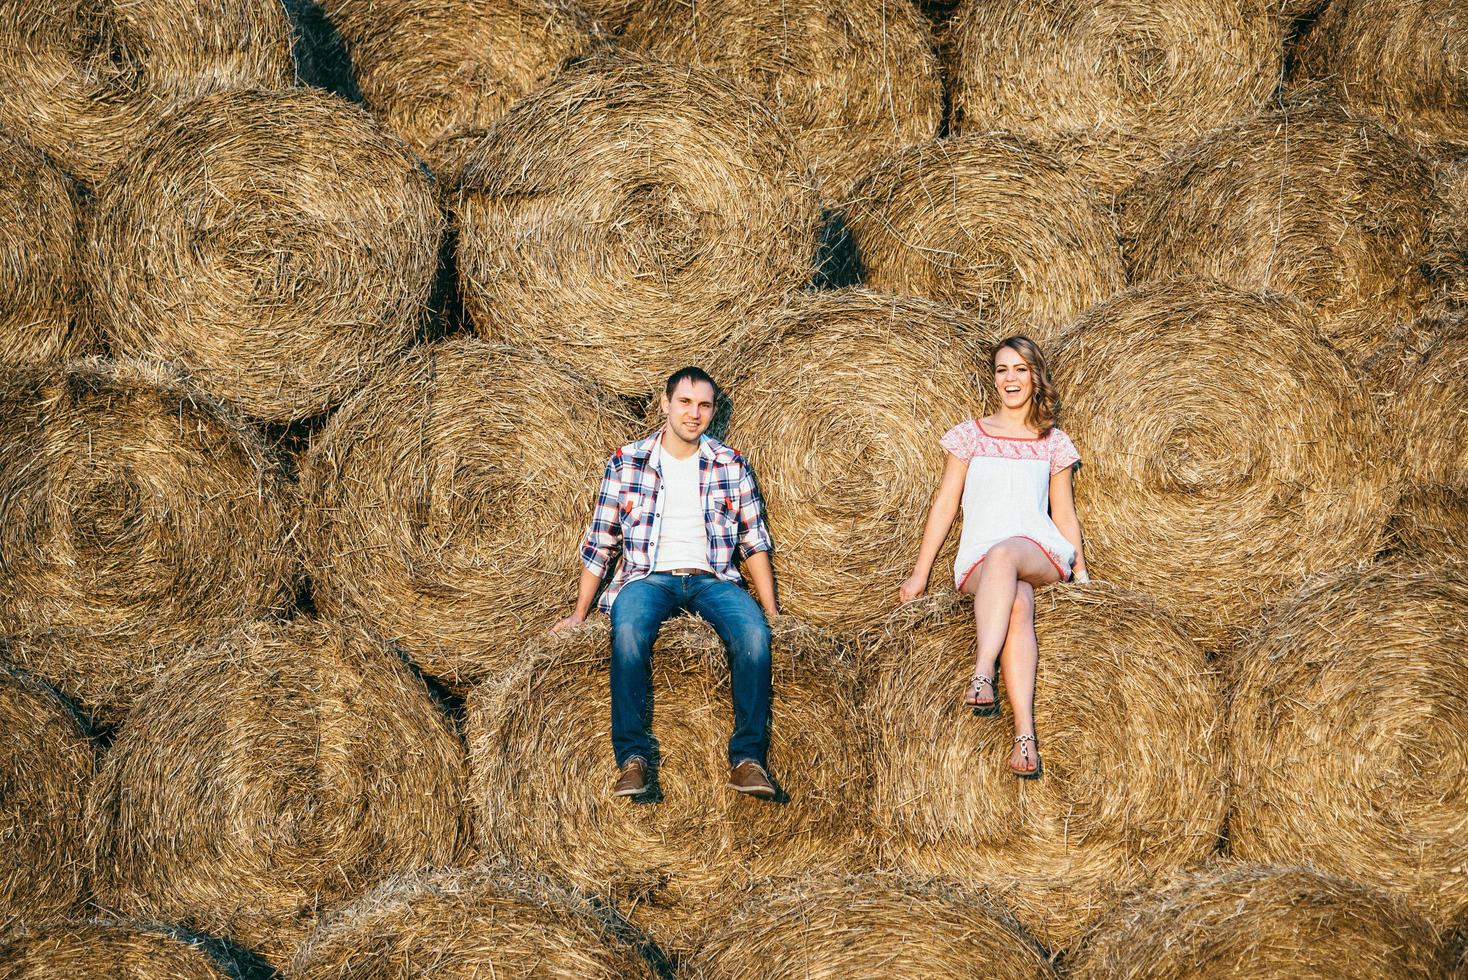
{"x":1235,"y":451}
{"x":1130,"y":733}
{"x":631,"y":219}
{"x":988,"y":222}
{"x":1113,"y":85}
{"x":41,"y":316}
{"x":830,"y":927}
{"x":431,"y":70}
{"x":476,"y":922}
{"x":136,"y":518}
{"x":542,"y":768}
{"x":1348,"y":738}
{"x":853,"y":79}
{"x":46,"y":762}
{"x":125,"y":951}
{"x":842,"y":417}
{"x":280,"y":769}
{"x":446,"y":502}
{"x":277,"y":246}
{"x":1449,"y":259}
{"x":1243,"y":920}
{"x":84,"y":79}
{"x":1309,"y":201}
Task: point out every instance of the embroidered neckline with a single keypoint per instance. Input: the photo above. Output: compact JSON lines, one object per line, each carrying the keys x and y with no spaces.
{"x":980,"y":424}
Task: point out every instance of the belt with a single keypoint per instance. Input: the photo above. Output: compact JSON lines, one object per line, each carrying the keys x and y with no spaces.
{"x":684,"y":572}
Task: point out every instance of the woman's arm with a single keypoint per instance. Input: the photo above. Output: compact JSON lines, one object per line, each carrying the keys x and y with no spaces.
{"x":1063,"y":513}
{"x":940,"y":520}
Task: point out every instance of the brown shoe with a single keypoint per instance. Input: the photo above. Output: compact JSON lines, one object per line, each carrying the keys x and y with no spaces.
{"x":633,"y":778}
{"x":750,"y":777}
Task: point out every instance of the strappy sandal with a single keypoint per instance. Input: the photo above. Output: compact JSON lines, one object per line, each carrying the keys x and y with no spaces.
{"x":982,"y":709}
{"x":1020,"y":740}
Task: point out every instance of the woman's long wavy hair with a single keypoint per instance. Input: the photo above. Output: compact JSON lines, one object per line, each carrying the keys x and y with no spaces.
{"x":1044,"y":413}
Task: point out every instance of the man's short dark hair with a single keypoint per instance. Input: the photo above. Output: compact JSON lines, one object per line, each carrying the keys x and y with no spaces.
{"x":694,"y":374}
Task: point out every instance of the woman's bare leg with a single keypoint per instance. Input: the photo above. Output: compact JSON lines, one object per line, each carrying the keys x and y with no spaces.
{"x":1021,"y":613}
{"x":1021,"y":658}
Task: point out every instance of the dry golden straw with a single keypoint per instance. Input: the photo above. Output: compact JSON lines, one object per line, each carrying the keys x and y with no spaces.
{"x":1115,"y":83}
{"x":1259,"y":922}
{"x":853,"y":79}
{"x":1308,"y":201}
{"x":122,"y":951}
{"x":445,"y":503}
{"x":1192,"y":491}
{"x":990,"y":223}
{"x":431,"y":69}
{"x":84,"y":79}
{"x":277,"y":246}
{"x":41,"y":313}
{"x":281,"y":769}
{"x":542,"y":770}
{"x":841,"y":418}
{"x":46,"y":762}
{"x":874,"y":925}
{"x":479,"y":922}
{"x":1347,"y":733}
{"x":1450,"y":221}
{"x":136,"y":517}
{"x":1130,"y":731}
{"x":632,"y":218}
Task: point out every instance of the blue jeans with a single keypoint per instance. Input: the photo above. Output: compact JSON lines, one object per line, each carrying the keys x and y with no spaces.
{"x":637,"y":615}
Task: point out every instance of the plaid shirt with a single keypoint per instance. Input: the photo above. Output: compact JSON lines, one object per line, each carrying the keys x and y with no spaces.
{"x":626,"y":518}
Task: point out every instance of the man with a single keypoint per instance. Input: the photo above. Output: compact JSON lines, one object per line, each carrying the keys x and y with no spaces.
{"x":680,"y":507}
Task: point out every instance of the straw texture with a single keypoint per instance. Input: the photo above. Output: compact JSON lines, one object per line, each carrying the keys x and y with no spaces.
{"x":987,"y":222}
{"x":122,"y":951}
{"x":632,"y":218}
{"x":1347,"y":729}
{"x":136,"y":517}
{"x":277,"y":246}
{"x":1195,"y":496}
{"x":1254,"y":922}
{"x":445,"y":503}
{"x":280,"y":769}
{"x":84,"y":79}
{"x":841,"y":418}
{"x":1128,"y":718}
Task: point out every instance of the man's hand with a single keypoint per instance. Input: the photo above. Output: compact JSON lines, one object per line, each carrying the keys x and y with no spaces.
{"x":914,"y":586}
{"x":570,"y":622}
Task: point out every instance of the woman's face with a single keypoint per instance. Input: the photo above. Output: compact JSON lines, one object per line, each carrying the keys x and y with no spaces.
{"x":1012,"y":378}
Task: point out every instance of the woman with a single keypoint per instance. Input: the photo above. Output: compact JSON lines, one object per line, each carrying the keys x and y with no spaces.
{"x":1012,"y":472}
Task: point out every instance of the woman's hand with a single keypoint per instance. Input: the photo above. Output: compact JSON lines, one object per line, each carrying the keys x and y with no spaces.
{"x":914,"y":586}
{"x":1080,"y":576}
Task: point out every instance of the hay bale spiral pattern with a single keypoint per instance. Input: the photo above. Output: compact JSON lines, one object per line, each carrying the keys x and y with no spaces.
{"x":446,"y":502}
{"x":136,"y":518}
{"x":632,"y":218}
{"x":988,"y":222}
{"x":280,"y":769}
{"x":1349,"y":733}
{"x":278,"y":246}
{"x":1190,"y":493}
{"x":123,"y":951}
{"x":1128,"y":719}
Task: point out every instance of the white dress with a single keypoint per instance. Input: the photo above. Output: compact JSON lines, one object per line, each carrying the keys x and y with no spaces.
{"x":1006,"y":493}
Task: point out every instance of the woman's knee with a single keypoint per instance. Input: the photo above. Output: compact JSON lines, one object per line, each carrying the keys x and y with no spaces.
{"x":1006,"y":554}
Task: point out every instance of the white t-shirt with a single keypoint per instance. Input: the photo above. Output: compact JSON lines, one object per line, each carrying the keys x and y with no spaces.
{"x":683,"y":540}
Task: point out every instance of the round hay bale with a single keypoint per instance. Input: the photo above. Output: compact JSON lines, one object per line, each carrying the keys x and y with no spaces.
{"x":1257,"y":922}
{"x":124,"y":951}
{"x":1402,"y":61}
{"x":277,"y":246}
{"x":857,"y":381}
{"x":829,"y":928}
{"x":1117,"y":82}
{"x":84,"y":79}
{"x":445,"y":66}
{"x":632,"y":218}
{"x":40,"y":285}
{"x":476,"y":922}
{"x":1308,"y":201}
{"x":451,"y":521}
{"x":136,"y":518}
{"x":542,"y":768}
{"x":46,"y":761}
{"x":987,"y":222}
{"x":280,"y":769}
{"x":1348,"y":737}
{"x":1129,"y":721}
{"x":854,"y":80}
{"x":1191,"y":493}
{"x":1450,"y":222}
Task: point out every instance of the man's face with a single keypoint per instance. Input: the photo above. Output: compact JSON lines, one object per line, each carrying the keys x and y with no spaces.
{"x":690,"y":409}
